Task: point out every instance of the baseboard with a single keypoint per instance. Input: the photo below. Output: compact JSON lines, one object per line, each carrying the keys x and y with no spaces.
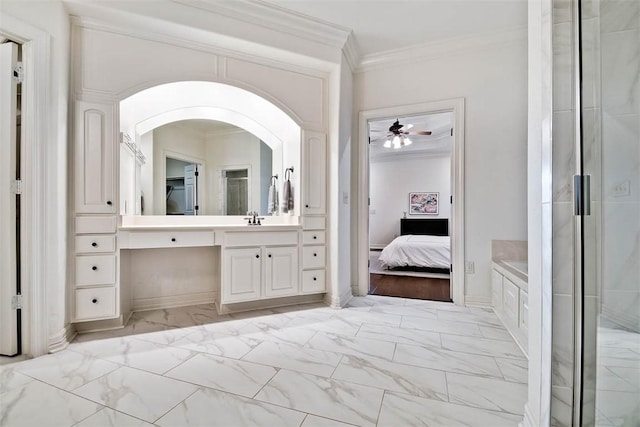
{"x":61,"y":340}
{"x":268,"y":303}
{"x":145,"y":304}
{"x":529,"y":420}
{"x":103,"y":325}
{"x":342,"y":299}
{"x":472,"y":301}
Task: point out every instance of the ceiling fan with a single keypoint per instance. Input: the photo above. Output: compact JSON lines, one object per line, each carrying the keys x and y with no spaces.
{"x":398,"y":135}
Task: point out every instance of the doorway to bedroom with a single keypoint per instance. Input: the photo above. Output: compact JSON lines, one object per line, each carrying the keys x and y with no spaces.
{"x":410,"y":194}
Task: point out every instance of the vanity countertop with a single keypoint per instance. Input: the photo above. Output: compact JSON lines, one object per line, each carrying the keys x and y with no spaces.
{"x":221,"y":223}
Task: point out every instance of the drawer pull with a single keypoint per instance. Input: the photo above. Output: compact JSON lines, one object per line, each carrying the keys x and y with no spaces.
{"x":94,"y":268}
{"x":95,"y":300}
{"x":315,"y":278}
{"x":94,"y":244}
{"x":315,"y":254}
{"x":315,"y":237}
{"x":257,"y":256}
{"x":173,"y":239}
{"x":269,"y":255}
{"x":109,"y":202}
{"x":306,"y":206}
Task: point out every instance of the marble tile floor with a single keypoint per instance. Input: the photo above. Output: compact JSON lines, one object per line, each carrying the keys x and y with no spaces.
{"x":380,"y":361}
{"x":617,"y":378}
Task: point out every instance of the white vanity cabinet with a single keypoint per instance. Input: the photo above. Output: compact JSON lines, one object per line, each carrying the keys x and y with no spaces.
{"x":95,"y":158}
{"x":314,"y":172}
{"x":259,"y":265}
{"x":510,"y":302}
{"x":95,"y":275}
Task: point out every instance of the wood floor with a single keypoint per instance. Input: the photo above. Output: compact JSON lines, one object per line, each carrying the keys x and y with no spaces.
{"x":410,"y":287}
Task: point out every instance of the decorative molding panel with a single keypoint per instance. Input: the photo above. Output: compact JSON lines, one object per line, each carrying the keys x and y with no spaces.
{"x":441,"y":49}
{"x":472,"y":301}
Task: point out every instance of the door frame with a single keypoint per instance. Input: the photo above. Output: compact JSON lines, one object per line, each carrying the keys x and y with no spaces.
{"x":456,"y":107}
{"x":37,"y":272}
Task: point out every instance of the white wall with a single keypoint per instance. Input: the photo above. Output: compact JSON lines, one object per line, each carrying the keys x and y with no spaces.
{"x":390,"y":183}
{"x":51,"y":18}
{"x":493,"y":82}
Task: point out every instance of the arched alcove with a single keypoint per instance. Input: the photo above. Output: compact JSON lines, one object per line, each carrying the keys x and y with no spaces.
{"x":155,"y":107}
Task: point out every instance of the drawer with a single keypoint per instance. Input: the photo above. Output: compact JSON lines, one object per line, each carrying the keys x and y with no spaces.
{"x":510,"y":299}
{"x":260,"y":238}
{"x":95,"y":270}
{"x":313,"y":281}
{"x":95,"y":224}
{"x":524,"y":310}
{"x":168,"y":239}
{"x":313,"y":237}
{"x":313,"y":257}
{"x":96,"y":303}
{"x":313,"y":222}
{"x":97,"y":243}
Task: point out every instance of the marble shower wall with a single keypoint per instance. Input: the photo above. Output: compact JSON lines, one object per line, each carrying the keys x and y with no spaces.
{"x":620,"y":89}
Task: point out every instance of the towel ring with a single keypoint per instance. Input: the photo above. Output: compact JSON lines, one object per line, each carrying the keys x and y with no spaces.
{"x":274,"y":178}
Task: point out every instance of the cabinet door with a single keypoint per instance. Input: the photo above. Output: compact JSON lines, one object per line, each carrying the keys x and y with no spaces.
{"x":94,"y":158}
{"x":281,"y":271}
{"x":241,"y":275}
{"x":314,"y":170}
{"x":496,"y":290}
{"x":510,"y":301}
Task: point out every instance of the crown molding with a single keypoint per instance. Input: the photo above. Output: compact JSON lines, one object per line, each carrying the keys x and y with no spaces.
{"x":443,"y":48}
{"x":276,"y":18}
{"x":351,"y":52}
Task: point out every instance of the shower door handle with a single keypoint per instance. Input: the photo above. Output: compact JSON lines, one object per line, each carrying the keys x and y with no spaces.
{"x":582,"y":194}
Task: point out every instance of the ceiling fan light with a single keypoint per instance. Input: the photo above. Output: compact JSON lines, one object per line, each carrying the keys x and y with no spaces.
{"x":396,"y":140}
{"x":407,"y":141}
{"x":387,"y":143}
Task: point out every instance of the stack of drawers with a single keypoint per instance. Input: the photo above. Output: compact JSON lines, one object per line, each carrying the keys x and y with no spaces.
{"x":96,"y":293}
{"x":313,"y":255}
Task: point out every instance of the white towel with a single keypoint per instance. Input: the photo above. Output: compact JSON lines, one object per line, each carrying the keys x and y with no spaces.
{"x":273,"y":200}
{"x":287,"y":197}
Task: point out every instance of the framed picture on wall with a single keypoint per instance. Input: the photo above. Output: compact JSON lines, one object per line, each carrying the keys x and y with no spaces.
{"x":423,"y":203}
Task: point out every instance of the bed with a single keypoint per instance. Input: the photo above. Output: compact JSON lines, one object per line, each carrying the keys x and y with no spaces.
{"x":423,"y":245}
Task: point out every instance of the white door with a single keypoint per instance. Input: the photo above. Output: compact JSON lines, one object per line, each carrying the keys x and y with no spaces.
{"x":8,"y":242}
{"x":191,"y":189}
{"x":281,"y":271}
{"x":241,"y":274}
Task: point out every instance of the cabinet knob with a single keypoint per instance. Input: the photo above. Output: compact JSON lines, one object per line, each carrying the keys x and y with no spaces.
{"x":306,"y":206}
{"x":315,"y":237}
{"x":109,"y":202}
{"x":94,"y":244}
{"x":315,"y":278}
{"x":94,"y":268}
{"x":95,"y":300}
{"x":315,"y":254}
{"x":173,"y":239}
{"x":257,"y":256}
{"x":269,"y":255}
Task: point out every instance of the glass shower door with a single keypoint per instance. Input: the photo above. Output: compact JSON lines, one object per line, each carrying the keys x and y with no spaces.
{"x":609,"y":156}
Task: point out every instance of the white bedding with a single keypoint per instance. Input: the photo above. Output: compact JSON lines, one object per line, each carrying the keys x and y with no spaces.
{"x":417,"y":251}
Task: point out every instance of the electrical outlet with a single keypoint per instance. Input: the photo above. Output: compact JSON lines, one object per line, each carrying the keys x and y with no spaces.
{"x":622,"y":189}
{"x":469,"y":267}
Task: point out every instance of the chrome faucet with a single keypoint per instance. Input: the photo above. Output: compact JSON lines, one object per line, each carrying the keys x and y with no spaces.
{"x":252,"y":219}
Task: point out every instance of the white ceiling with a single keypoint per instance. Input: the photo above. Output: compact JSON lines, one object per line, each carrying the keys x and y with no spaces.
{"x":436,"y":144}
{"x":384,"y":25}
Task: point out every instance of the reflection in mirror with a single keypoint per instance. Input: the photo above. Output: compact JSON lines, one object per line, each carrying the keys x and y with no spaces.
{"x":205,"y":167}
